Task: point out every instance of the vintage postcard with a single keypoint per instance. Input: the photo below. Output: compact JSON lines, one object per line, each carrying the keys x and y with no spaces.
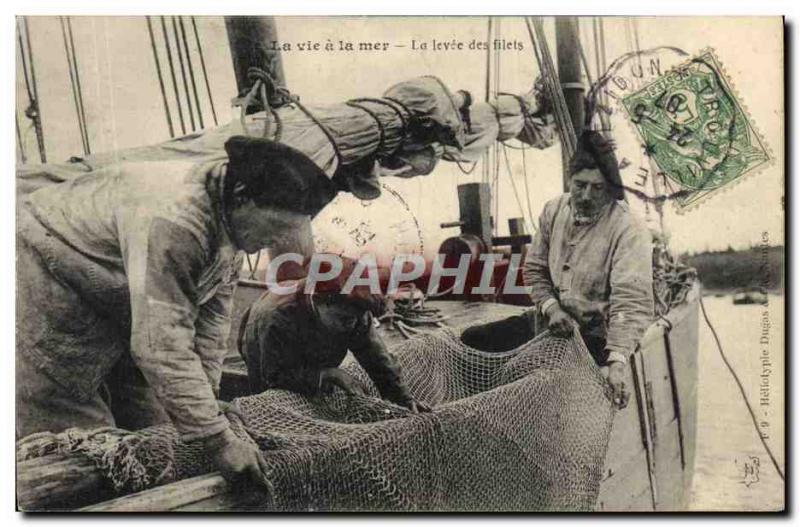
{"x":400,"y":264}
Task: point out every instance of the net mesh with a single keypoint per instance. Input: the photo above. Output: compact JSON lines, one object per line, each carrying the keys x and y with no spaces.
{"x":523,"y":430}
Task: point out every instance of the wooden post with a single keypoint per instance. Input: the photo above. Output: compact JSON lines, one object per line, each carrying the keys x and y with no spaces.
{"x":474,"y":204}
{"x":516,"y":227}
{"x":253,"y":42}
{"x":569,"y":72}
{"x":59,"y":482}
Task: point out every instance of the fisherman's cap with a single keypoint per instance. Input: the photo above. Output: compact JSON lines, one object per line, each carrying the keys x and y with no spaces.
{"x":593,"y":146}
{"x":275,"y":174}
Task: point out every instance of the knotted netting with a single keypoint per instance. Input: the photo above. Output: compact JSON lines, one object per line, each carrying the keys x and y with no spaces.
{"x":521,"y":430}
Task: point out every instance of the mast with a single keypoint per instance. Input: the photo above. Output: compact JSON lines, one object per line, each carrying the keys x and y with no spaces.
{"x":569,"y":72}
{"x":250,"y":39}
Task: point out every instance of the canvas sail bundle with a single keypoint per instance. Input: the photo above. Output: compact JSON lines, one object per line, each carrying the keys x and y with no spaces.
{"x":403,"y":133}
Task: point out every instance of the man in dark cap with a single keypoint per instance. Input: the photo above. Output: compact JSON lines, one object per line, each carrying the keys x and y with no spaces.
{"x":297,"y":341}
{"x":140,"y":260}
{"x":590,"y":264}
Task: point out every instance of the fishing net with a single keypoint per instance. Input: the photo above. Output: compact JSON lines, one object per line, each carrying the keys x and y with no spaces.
{"x":521,"y":430}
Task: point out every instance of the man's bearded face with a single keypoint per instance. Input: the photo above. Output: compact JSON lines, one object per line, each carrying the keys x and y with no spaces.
{"x":589,"y":192}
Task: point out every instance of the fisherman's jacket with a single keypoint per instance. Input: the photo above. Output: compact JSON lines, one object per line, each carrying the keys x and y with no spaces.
{"x":601,"y":273}
{"x":285,"y":346}
{"x":144,"y":246}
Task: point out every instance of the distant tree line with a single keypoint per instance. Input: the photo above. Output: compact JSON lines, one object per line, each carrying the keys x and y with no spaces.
{"x":757,"y":267}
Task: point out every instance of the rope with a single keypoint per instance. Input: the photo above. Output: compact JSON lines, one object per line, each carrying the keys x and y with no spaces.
{"x":496,"y":145}
{"x":741,"y":390}
{"x":561,"y":105}
{"x":395,"y":109}
{"x":381,"y":131}
{"x":77,"y":92}
{"x":564,"y":124}
{"x":78,"y":85}
{"x":191,"y":71}
{"x":389,"y":103}
{"x":172,"y":74}
{"x":24,"y":63}
{"x":582,"y":54}
{"x":205,"y":71}
{"x":266,"y":77}
{"x":160,"y":77}
{"x":183,"y":73}
{"x":523,"y":106}
{"x":599,"y":59}
{"x":253,"y":267}
{"x":486,"y":157}
{"x":488,"y":58}
{"x":514,"y":187}
{"x":20,"y":143}
{"x":596,"y":41}
{"x":466,"y":171}
{"x":568,"y":132}
{"x":32,"y":112}
{"x":527,"y":190}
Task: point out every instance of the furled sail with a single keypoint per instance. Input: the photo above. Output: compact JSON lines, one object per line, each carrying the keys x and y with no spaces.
{"x":403,"y":133}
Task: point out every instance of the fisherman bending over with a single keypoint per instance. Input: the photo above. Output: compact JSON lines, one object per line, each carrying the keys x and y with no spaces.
{"x":142,"y":258}
{"x":590,"y":263}
{"x":297,"y":342}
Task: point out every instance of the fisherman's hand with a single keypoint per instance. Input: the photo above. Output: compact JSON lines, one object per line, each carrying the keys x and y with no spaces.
{"x":226,"y":408}
{"x":336,"y":377}
{"x":585,"y":312}
{"x":614,"y":373}
{"x":237,"y":459}
{"x":559,"y":322}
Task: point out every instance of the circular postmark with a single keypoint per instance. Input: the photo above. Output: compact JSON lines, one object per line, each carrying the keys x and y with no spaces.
{"x":384,"y":227}
{"x":693,"y":128}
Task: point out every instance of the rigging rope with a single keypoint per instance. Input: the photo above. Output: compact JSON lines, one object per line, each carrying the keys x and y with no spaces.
{"x":78,"y":85}
{"x":514,"y":187}
{"x":20,"y":144}
{"x":205,"y":71}
{"x":160,"y":77}
{"x":561,"y":104}
{"x":75,"y":82}
{"x":741,"y":390}
{"x":253,"y":267}
{"x":550,"y":78}
{"x":582,"y":54}
{"x":487,"y":95}
{"x":191,"y":71}
{"x":495,"y":144}
{"x":172,"y":74}
{"x":599,"y":58}
{"x":183,"y":74}
{"x":32,"y":112}
{"x":534,"y":228}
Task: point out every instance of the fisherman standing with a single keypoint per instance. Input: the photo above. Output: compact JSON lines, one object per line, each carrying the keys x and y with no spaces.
{"x":590,"y":264}
{"x":141,"y":259}
{"x":297,"y":341}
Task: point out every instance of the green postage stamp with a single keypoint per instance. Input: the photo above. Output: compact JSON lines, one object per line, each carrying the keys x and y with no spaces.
{"x":696,"y":130}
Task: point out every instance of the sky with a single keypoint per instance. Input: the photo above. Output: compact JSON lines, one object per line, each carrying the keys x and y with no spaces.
{"x":124,"y":107}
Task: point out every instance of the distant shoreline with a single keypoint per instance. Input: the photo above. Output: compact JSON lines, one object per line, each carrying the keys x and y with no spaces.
{"x":730,"y":271}
{"x":733,"y":291}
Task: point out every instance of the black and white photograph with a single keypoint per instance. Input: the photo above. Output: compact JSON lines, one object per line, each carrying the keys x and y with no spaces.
{"x":399,"y":263}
